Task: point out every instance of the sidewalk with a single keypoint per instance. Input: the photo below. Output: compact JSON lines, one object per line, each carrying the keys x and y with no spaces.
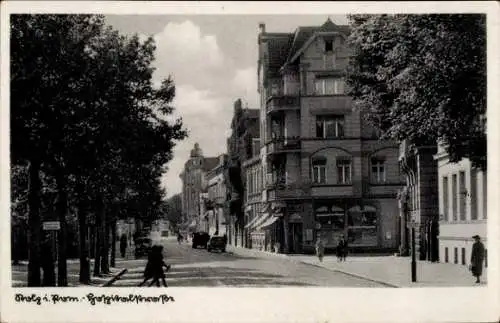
{"x":19,"y":272}
{"x":388,"y":270}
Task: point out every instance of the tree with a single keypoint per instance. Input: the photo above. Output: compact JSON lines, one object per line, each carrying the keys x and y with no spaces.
{"x":77,"y":90}
{"x":173,"y":210}
{"x":423,"y":78}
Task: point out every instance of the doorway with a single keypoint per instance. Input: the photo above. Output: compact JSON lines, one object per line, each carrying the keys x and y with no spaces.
{"x":295,"y":237}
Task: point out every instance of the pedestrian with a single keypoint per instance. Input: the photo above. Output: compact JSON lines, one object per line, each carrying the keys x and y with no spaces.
{"x":154,"y":267}
{"x":320,"y":249}
{"x":342,"y":248}
{"x":123,"y":245}
{"x":338,"y":250}
{"x":477,"y":258}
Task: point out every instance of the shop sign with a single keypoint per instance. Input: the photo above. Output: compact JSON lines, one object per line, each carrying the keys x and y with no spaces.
{"x":51,"y":225}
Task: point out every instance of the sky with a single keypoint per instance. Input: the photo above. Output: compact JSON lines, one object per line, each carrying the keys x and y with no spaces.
{"x":213,"y":61}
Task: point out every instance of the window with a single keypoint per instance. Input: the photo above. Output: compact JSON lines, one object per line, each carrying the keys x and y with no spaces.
{"x":343,"y":171}
{"x":445,"y":198}
{"x":454,"y":197}
{"x":462,"y":195}
{"x":319,"y":171}
{"x":378,"y":170}
{"x":328,"y":45}
{"x":455,"y":260}
{"x":330,"y":126}
{"x":446,"y":256}
{"x":463,"y":256}
{"x":329,"y":86}
{"x":255,"y":147}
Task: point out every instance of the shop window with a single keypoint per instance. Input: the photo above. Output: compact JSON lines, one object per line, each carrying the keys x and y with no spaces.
{"x":319,"y":170}
{"x":446,"y":255}
{"x":330,"y":126}
{"x":485,"y":257}
{"x":362,"y":229}
{"x":378,"y":170}
{"x":463,"y":257}
{"x":455,"y":251}
{"x":343,"y":171}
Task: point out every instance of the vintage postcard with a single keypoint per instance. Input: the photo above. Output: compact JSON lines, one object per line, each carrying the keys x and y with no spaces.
{"x":249,"y":161}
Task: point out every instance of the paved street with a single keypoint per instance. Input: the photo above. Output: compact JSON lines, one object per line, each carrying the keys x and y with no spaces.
{"x":199,"y":268}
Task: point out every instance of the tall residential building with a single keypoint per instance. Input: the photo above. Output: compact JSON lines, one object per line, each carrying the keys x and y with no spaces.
{"x":192,"y":182}
{"x":462,"y":208}
{"x":326,"y":173}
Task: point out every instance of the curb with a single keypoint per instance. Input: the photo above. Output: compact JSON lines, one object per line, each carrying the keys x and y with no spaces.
{"x":114,"y":278}
{"x":351,"y":274}
{"x":283,"y":256}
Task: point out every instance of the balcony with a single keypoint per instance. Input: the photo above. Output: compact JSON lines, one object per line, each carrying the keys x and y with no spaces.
{"x":289,"y":191}
{"x":283,"y":145}
{"x":277,"y":103}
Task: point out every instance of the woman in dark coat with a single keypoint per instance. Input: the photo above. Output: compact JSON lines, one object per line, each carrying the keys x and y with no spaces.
{"x":154,"y":267}
{"x":477,"y":258}
{"x":342,"y":249}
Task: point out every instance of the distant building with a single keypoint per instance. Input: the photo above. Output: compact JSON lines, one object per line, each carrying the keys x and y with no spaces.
{"x":192,"y":178}
{"x":245,"y":128}
{"x":216,"y":213}
{"x":462,"y":208}
{"x":326,"y":173}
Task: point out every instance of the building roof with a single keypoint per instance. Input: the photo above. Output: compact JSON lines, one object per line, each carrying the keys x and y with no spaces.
{"x":210,"y":163}
{"x":303,"y":34}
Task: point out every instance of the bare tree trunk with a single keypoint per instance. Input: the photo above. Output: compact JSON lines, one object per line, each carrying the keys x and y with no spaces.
{"x":34,"y":224}
{"x":99,"y":235}
{"x":113,"y":243}
{"x":105,"y":248}
{"x":82,"y":232}
{"x":62,"y":210}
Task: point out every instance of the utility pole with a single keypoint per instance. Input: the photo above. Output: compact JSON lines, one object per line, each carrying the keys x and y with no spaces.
{"x":413,"y":255}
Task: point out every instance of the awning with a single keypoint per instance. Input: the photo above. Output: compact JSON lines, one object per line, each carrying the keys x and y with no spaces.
{"x":268,"y":222}
{"x":249,"y":224}
{"x":260,"y":220}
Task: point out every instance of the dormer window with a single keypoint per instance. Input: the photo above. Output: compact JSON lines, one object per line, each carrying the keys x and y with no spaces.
{"x":328,"y":45}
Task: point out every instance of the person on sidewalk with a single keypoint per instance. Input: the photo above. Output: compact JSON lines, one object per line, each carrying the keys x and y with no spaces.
{"x":123,"y":245}
{"x":342,"y":249}
{"x":154,"y":267}
{"x":477,"y":258}
{"x":320,"y":249}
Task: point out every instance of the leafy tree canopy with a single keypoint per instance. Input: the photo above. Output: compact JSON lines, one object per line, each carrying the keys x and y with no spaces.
{"x":423,"y":78}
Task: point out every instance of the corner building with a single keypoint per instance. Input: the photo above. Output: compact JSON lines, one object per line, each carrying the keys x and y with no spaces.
{"x":463,"y":208}
{"x":326,"y":173}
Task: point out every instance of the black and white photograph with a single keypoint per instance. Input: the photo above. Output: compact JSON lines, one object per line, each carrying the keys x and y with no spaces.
{"x":154,"y":151}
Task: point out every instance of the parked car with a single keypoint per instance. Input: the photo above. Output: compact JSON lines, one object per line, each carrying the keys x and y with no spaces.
{"x":142,"y":246}
{"x":216,"y":243}
{"x":200,"y":239}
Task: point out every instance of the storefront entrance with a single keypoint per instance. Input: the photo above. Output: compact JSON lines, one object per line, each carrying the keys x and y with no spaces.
{"x":295,"y":237}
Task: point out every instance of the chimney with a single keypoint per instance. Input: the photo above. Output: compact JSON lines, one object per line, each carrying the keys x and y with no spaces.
{"x":262,"y":28}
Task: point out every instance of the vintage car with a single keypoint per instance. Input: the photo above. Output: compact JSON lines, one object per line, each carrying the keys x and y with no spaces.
{"x":200,"y":239}
{"x":216,"y":243}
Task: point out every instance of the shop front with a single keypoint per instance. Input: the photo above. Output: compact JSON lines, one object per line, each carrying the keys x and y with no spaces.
{"x":356,"y":222}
